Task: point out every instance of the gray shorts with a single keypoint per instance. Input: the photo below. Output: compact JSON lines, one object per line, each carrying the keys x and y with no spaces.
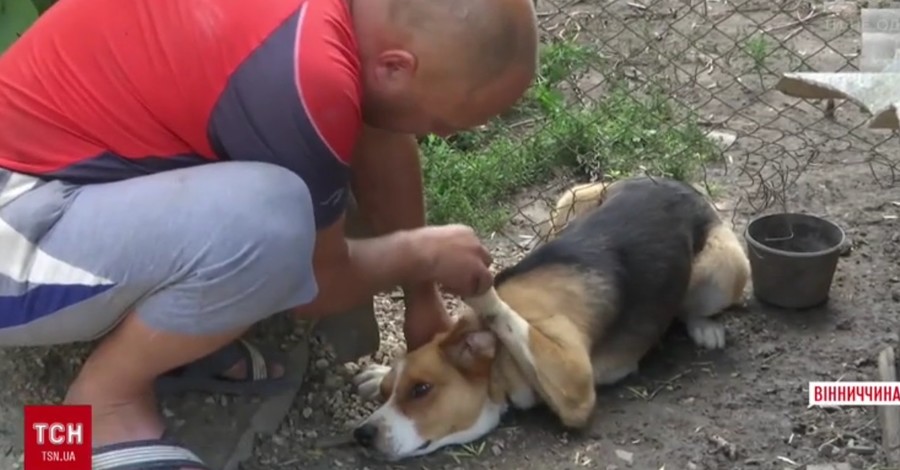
{"x":196,"y":251}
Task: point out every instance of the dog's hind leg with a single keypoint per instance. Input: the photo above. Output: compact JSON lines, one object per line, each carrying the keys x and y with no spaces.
{"x":555,"y":359}
{"x":718,"y":277}
{"x":617,"y":353}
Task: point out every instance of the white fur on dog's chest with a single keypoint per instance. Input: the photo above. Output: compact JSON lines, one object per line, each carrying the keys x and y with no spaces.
{"x":523,"y":398}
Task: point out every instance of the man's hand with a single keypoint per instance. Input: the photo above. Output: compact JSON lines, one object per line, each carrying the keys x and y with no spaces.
{"x":456,"y":258}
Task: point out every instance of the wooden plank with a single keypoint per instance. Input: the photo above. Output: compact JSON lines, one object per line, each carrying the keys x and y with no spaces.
{"x":889,"y":415}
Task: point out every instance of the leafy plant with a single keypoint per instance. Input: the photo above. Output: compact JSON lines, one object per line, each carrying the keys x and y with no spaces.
{"x":15,"y":17}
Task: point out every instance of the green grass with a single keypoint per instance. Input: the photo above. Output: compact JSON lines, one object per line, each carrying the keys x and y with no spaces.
{"x":468,"y":177}
{"x":759,"y":49}
{"x":15,"y":17}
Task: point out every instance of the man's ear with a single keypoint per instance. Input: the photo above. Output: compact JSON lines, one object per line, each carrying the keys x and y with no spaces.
{"x":395,"y":68}
{"x":470,"y":348}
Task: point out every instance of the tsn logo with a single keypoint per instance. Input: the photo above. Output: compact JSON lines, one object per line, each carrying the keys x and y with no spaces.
{"x":57,"y":437}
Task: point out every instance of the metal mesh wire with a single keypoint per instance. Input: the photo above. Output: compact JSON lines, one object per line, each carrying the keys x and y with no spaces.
{"x":713,"y":65}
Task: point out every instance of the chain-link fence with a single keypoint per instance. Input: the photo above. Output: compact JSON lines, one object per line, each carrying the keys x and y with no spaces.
{"x":683,"y":88}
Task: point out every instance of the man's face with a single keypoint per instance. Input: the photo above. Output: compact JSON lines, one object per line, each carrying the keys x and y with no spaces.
{"x":407,"y":95}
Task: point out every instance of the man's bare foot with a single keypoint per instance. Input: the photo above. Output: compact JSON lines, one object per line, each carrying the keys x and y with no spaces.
{"x":119,"y":419}
{"x":238,"y":368}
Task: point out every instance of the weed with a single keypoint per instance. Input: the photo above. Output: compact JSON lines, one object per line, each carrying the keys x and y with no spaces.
{"x":758,"y":48}
{"x":15,"y":17}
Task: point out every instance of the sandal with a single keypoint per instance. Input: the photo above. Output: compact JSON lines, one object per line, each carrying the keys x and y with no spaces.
{"x":205,"y":375}
{"x":153,"y":454}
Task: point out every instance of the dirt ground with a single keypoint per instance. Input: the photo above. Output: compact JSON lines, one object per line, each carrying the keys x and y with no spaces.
{"x":741,"y":408}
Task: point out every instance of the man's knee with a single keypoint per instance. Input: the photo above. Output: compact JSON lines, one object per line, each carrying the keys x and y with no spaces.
{"x":275,"y":214}
{"x":268,"y":186}
{"x":255,"y":258}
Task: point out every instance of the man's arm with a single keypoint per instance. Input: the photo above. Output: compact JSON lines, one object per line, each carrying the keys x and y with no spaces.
{"x":349,"y":272}
{"x":387,"y":183}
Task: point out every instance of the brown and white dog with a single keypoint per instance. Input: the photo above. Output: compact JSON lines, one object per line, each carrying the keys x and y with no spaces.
{"x":578,"y":311}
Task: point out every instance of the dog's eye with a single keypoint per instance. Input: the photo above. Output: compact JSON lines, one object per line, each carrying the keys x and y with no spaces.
{"x":420,"y":389}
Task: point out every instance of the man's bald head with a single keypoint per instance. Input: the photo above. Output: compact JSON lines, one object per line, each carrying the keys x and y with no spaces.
{"x":486,"y":36}
{"x":443,"y":65}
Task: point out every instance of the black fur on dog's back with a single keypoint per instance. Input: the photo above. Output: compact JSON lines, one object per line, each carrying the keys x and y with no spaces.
{"x":641,"y":241}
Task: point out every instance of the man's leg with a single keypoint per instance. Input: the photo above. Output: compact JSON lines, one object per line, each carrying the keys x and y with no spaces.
{"x":196,"y":255}
{"x":354,"y":333}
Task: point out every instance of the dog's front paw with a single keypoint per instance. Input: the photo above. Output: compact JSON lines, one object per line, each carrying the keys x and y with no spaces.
{"x":368,"y":381}
{"x":709,"y":334}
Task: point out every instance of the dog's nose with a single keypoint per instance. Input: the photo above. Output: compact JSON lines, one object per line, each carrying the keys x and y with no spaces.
{"x":365,"y":434}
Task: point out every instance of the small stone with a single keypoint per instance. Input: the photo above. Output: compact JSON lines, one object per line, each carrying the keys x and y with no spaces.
{"x":496,"y":450}
{"x":828,"y":450}
{"x":322,"y":363}
{"x":209,"y":400}
{"x":828,"y":466}
{"x":846,"y":247}
{"x":307,"y":412}
{"x":312,"y":435}
{"x":278,"y":440}
{"x":861,"y":449}
{"x":857,"y":462}
{"x":625,"y":456}
{"x":692,"y":466}
{"x":723,"y":138}
{"x":334,"y":381}
{"x":844,"y":325}
{"x":167,"y":412}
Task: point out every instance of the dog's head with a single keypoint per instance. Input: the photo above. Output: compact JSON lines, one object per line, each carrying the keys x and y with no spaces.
{"x":436,"y":395}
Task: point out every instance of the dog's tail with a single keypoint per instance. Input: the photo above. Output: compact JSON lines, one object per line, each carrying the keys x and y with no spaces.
{"x":574,"y":202}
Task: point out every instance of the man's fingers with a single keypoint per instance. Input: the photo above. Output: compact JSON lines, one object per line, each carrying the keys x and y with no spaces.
{"x":485,"y":281}
{"x":476,"y":284}
{"x":481,"y":282}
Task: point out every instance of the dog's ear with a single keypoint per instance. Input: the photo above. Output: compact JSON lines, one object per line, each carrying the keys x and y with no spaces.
{"x":470,"y":347}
